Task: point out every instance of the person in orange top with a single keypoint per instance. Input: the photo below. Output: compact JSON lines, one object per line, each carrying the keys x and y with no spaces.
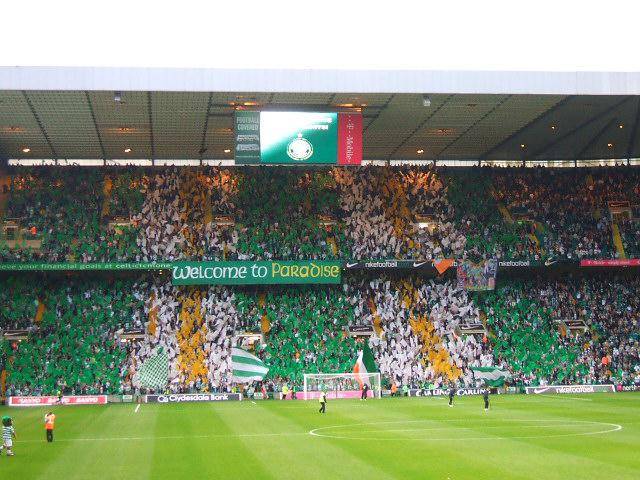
{"x":394,"y":389}
{"x":49,"y":421}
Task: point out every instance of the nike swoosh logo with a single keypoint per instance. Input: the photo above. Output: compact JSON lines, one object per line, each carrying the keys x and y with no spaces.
{"x":418,"y":264}
{"x":351,"y":265}
{"x":548,"y":262}
{"x":540,"y":390}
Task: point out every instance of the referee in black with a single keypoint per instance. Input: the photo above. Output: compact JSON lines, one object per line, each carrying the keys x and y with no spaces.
{"x":365,"y":391}
{"x":452,"y":393}
{"x":485,"y":395}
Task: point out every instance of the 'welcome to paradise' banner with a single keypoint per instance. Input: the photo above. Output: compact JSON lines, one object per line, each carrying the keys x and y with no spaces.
{"x":477,"y":276}
{"x":256,"y":273}
{"x":71,"y":266}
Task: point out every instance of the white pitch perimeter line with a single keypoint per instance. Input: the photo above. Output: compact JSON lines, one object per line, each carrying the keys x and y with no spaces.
{"x":563,"y":398}
{"x":169,"y":437}
{"x":253,"y":402}
{"x":137,"y":408}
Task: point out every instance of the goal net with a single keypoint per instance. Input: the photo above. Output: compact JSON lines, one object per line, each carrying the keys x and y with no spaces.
{"x":340,"y":385}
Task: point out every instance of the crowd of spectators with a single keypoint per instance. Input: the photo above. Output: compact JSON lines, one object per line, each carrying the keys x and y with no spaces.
{"x":479,"y":218}
{"x":417,"y":330}
{"x":384,"y":208}
{"x":67,"y":211}
{"x":544,"y":331}
{"x":73,"y":343}
{"x":351,"y":214}
{"x":531,"y":322}
{"x":306,"y":330}
{"x":571,"y":206}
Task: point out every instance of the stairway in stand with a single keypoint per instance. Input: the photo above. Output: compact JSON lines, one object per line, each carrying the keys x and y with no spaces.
{"x":5,"y":183}
{"x":617,"y":240}
{"x":106,"y":191}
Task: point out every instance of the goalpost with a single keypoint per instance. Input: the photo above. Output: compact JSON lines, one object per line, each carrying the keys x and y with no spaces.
{"x":340,"y":385}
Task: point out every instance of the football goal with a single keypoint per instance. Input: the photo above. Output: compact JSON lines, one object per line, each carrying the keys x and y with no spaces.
{"x":340,"y":385}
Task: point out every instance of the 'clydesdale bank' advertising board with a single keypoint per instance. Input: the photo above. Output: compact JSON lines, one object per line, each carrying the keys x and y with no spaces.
{"x":193,"y":397}
{"x":256,"y":273}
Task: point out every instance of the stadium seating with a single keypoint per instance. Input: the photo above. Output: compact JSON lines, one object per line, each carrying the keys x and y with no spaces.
{"x":278,"y":215}
{"x":306,"y":330}
{"x":67,"y":211}
{"x":418,"y":337}
{"x":531,"y":323}
{"x":18,"y":304}
{"x":337,"y":213}
{"x":71,"y":330}
{"x":356,"y":213}
{"x":74,"y":344}
{"x":527,"y":339}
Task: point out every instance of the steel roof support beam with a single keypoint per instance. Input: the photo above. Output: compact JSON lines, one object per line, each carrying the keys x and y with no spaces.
{"x":42,"y":129}
{"x":419,"y":127}
{"x":95,"y":124}
{"x":596,"y":138}
{"x":150,"y":110}
{"x":580,"y":127}
{"x":495,"y":107}
{"x":203,"y":143}
{"x":635,"y":131}
{"x":376,"y":115}
{"x":537,"y":119}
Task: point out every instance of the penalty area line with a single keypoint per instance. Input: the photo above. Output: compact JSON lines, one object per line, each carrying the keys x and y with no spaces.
{"x":137,"y":408}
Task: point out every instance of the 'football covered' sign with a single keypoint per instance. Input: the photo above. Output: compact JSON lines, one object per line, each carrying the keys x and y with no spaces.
{"x":298,"y":138}
{"x":256,"y":273}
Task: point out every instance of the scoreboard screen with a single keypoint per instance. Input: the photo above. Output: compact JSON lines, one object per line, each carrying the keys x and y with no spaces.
{"x":298,"y":138}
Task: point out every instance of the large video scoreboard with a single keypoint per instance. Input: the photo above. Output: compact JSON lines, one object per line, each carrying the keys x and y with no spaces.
{"x":298,"y":138}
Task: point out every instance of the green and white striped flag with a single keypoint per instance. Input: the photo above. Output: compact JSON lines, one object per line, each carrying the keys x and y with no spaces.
{"x":154,"y":372}
{"x":246,"y":367}
{"x":492,"y":376}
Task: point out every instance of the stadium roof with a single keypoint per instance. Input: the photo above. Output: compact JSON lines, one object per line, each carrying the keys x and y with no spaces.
{"x":73,"y":113}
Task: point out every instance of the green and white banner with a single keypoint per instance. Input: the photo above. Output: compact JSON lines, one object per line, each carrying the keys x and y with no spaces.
{"x":154,"y":372}
{"x":246,"y":367}
{"x":492,"y":376}
{"x":256,"y":273}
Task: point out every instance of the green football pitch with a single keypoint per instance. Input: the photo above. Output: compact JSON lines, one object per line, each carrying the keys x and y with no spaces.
{"x":524,"y":437}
